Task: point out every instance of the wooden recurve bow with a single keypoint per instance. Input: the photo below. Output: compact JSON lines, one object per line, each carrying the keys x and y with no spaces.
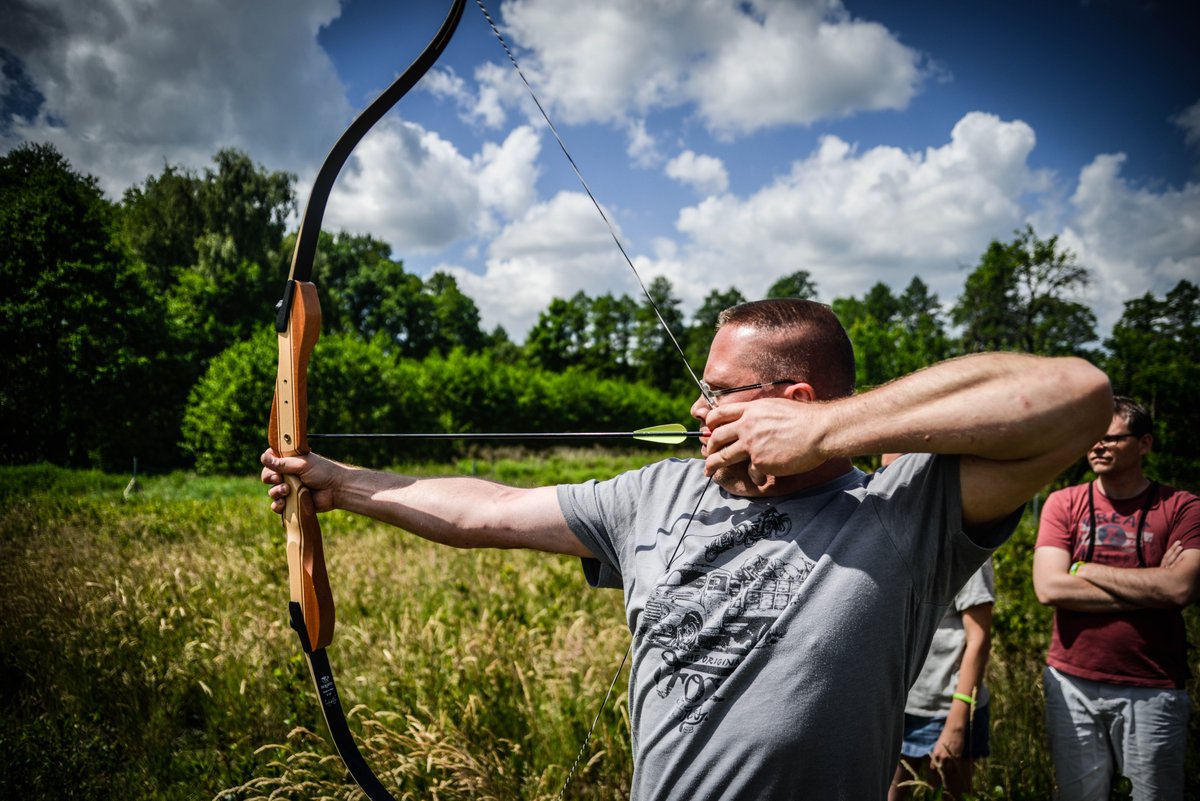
{"x":298,"y":324}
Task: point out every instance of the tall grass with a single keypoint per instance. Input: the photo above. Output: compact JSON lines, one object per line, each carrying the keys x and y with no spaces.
{"x":145,"y":652}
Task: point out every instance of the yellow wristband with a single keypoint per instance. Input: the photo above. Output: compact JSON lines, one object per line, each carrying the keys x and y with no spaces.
{"x":966,"y":699}
{"x":1075,"y":567}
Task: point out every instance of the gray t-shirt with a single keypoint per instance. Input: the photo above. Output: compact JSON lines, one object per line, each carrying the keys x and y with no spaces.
{"x":931,"y":696}
{"x":775,"y":639}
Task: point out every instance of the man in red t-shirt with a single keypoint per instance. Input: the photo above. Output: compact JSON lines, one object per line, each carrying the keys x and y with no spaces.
{"x":1118,"y":559}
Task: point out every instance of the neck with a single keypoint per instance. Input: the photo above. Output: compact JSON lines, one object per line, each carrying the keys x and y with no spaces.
{"x":1118,"y":487}
{"x":738,"y":482}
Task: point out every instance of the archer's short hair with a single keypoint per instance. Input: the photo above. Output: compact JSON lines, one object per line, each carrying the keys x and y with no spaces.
{"x":804,"y":341}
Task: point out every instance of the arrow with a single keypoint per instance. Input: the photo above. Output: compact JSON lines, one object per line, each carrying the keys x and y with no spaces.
{"x":666,"y":434}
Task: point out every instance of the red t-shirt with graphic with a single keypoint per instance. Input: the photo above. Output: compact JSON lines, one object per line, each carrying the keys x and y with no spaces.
{"x":1143,"y":647}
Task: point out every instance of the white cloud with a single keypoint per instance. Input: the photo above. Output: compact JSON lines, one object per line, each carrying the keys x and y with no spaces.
{"x":642,"y":147}
{"x":556,"y":249}
{"x":744,"y":66}
{"x":705,"y":174}
{"x":853,"y":219}
{"x":508,"y":172}
{"x":413,"y":189}
{"x":128,"y":84}
{"x":1133,"y":240}
{"x":1189,"y":121}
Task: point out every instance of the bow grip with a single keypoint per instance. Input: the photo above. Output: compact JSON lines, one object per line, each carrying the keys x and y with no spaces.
{"x":299,"y":327}
{"x":308,"y":580}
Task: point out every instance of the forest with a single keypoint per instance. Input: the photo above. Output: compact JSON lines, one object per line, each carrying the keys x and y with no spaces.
{"x":139,"y":329}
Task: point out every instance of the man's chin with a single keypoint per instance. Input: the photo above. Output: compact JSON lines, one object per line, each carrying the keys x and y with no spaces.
{"x":735,"y":479}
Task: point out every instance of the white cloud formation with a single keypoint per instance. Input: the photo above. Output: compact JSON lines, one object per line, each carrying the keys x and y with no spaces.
{"x":128,"y":84}
{"x":705,"y":174}
{"x":1189,"y":121}
{"x":853,"y":219}
{"x":556,"y":249}
{"x":413,"y":189}
{"x":1133,"y":240}
{"x":744,"y":66}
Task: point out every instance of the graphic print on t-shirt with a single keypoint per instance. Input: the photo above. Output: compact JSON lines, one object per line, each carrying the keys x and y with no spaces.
{"x":1115,"y":531}
{"x":705,"y":619}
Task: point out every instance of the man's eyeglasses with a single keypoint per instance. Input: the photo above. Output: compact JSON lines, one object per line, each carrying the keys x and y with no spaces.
{"x":1113,"y":439}
{"x":711,"y":394}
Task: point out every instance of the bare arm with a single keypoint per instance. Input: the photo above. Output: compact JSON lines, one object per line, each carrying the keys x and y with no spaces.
{"x":1174,"y":584}
{"x":977,"y":626}
{"x":1016,"y":420}
{"x":1055,"y":586}
{"x":461,"y":512}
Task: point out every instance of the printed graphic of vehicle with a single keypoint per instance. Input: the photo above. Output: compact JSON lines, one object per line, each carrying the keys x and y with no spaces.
{"x":700,"y":607}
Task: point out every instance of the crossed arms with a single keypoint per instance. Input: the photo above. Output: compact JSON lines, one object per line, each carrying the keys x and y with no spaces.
{"x":1175,"y":583}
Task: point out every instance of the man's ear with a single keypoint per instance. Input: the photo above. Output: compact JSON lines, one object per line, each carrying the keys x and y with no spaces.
{"x":802,"y":391}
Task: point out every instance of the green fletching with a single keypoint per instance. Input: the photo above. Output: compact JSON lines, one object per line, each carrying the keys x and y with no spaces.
{"x":666,"y":434}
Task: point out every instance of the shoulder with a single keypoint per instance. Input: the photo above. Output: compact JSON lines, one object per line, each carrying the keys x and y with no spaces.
{"x":1067,"y":498}
{"x":1182,"y":509}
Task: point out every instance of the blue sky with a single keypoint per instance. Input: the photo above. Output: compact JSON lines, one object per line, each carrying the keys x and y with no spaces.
{"x":731,"y":142}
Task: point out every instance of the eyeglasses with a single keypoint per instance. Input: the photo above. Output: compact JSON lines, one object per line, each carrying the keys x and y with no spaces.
{"x":711,"y":394}
{"x":1113,"y":439}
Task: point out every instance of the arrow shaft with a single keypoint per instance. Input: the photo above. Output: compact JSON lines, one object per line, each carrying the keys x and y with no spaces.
{"x":508,"y":435}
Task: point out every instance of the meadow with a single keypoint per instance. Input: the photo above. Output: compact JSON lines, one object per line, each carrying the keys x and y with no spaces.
{"x":145,"y":651}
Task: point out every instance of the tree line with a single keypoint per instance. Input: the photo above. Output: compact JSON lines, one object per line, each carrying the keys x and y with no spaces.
{"x":139,"y":328}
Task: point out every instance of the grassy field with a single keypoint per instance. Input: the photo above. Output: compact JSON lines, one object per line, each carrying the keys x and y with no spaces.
{"x":145,"y":652}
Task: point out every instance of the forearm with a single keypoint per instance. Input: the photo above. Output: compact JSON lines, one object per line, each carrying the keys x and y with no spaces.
{"x":1055,"y":586}
{"x":1148,"y":587}
{"x":977,"y":629}
{"x":458,"y":511}
{"x":997,"y":406}
{"x":972,"y":669}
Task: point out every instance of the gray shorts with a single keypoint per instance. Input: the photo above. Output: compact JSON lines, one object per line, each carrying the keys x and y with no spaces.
{"x":1098,"y":731}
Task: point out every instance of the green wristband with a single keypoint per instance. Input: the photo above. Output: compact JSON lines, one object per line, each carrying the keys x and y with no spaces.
{"x":1075,"y":567}
{"x":966,"y":699}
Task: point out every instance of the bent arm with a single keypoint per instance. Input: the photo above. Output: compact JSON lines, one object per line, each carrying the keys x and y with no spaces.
{"x":460,"y":512}
{"x":1171,"y":587}
{"x":1015,"y":420}
{"x":1055,"y":586}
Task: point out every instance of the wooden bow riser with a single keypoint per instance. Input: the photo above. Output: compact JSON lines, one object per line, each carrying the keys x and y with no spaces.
{"x":307,"y":577}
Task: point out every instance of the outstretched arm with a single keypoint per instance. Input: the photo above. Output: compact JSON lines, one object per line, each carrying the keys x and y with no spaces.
{"x":1016,"y":420}
{"x":461,"y":512}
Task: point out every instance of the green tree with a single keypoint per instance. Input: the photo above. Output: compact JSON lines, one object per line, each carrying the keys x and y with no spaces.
{"x":611,"y":326}
{"x":354,"y":386}
{"x":455,"y":318}
{"x":799,"y":284}
{"x":893,"y":336}
{"x":365,"y":292}
{"x":919,"y":329}
{"x":79,"y":322}
{"x":655,"y":355}
{"x":704,"y":323}
{"x":242,"y":206}
{"x":1154,"y":357}
{"x":869,"y":323}
{"x":559,"y":338}
{"x":1018,"y":299}
{"x":247,"y":205}
{"x":161,"y":221}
